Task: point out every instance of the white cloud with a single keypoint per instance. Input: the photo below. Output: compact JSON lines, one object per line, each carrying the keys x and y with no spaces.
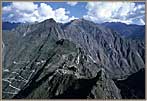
{"x":24,"y":6}
{"x":30,"y":12}
{"x":45,"y":10}
{"x":126,"y":12}
{"x":60,"y":14}
{"x":72,"y":3}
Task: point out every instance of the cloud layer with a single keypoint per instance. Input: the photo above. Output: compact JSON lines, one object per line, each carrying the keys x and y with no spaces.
{"x":99,"y":12}
{"x":73,"y":3}
{"x":126,"y":12}
{"x":30,"y":12}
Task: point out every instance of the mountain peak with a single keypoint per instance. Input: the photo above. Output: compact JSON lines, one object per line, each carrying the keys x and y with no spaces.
{"x":78,"y":20}
{"x":51,"y":20}
{"x":75,"y":21}
{"x":48,"y":23}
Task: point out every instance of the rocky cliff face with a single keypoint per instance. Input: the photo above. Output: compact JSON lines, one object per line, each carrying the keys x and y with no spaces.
{"x":118,"y":55}
{"x":75,"y":60}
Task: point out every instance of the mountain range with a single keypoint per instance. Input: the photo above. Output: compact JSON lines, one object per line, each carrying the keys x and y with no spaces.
{"x":9,"y":25}
{"x":131,"y":31}
{"x":76,"y":60}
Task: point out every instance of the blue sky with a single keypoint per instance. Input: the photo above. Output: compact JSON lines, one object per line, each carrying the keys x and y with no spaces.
{"x":74,"y":10}
{"x":98,"y":12}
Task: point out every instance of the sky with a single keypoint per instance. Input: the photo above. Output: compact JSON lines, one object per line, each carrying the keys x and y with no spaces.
{"x":63,"y":12}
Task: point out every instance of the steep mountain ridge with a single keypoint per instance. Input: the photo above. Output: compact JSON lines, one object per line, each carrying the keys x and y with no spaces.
{"x":51,"y":60}
{"x":106,"y":46}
